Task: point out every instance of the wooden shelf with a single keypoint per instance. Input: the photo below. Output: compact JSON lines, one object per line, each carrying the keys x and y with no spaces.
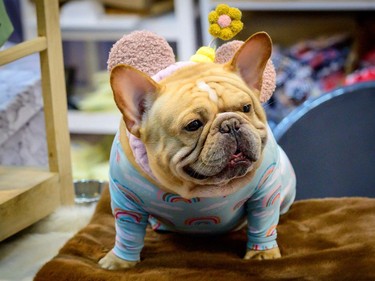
{"x":299,"y":5}
{"x":23,"y":49}
{"x":205,"y":6}
{"x":21,"y":192}
{"x":29,"y":194}
{"x":177,"y":26}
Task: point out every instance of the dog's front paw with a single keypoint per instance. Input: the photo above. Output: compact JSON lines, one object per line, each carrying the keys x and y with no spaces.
{"x":263,"y":255}
{"x":112,"y":262}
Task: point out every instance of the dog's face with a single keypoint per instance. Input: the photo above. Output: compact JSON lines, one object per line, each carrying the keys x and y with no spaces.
{"x":203,"y":126}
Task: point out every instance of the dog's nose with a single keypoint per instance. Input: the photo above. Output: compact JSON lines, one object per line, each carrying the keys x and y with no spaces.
{"x":229,"y":126}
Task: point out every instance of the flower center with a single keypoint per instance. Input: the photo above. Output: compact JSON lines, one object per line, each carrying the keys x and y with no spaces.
{"x":224,"y":21}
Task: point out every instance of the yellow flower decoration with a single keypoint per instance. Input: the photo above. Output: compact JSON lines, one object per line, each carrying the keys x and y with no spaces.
{"x":225,"y":22}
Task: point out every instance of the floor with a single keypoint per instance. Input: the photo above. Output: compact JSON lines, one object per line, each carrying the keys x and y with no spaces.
{"x":24,"y":254}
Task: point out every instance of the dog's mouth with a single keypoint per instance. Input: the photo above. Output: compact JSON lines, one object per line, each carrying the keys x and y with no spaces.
{"x":237,"y":165}
{"x":239,"y":158}
{"x":194,"y":174}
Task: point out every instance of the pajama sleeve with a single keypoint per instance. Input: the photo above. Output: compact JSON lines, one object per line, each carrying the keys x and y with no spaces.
{"x":263,"y":209}
{"x":130,"y":221}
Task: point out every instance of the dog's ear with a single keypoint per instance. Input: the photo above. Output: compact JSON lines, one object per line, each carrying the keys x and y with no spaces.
{"x":131,"y":89}
{"x":251,"y":59}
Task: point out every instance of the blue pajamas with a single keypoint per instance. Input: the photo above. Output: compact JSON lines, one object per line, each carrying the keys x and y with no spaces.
{"x":137,"y":202}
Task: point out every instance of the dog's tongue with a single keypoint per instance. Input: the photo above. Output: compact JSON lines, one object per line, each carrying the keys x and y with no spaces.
{"x":237,"y":158}
{"x":238,"y":154}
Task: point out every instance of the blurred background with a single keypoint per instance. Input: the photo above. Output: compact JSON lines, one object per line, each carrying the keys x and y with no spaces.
{"x":318,"y":47}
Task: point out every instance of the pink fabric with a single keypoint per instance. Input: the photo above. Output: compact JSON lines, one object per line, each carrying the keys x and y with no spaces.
{"x":170,"y":69}
{"x":144,"y":50}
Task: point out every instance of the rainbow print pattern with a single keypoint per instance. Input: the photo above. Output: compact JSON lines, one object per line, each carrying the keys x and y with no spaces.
{"x":120,"y":245}
{"x":129,"y":194}
{"x":156,"y":226}
{"x":239,"y":204}
{"x":118,"y":156}
{"x":174,"y":198}
{"x":210,"y":220}
{"x":265,"y":175}
{"x":135,"y":201}
{"x":127,"y":215}
{"x":272,"y":230}
{"x":271,"y":197}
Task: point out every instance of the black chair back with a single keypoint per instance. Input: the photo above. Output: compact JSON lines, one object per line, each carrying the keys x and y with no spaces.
{"x":331,"y":143}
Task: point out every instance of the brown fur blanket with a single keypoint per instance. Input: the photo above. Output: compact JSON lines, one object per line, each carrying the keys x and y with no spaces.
{"x":323,"y":239}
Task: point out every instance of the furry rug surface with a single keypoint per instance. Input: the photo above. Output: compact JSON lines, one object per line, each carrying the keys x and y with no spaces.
{"x":22,"y":255}
{"x":323,"y":239}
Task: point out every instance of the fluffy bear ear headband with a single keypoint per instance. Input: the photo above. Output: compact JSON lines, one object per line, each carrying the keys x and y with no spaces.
{"x":150,"y":53}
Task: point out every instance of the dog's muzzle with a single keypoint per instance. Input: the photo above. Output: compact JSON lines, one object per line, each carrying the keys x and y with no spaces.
{"x":236,"y":145}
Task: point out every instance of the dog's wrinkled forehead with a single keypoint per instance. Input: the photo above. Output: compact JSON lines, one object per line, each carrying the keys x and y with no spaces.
{"x":209,"y":78}
{"x":212,"y":94}
{"x":200,"y":83}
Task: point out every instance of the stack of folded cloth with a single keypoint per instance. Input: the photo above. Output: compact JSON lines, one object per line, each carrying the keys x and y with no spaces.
{"x":22,"y":129}
{"x":307,"y":70}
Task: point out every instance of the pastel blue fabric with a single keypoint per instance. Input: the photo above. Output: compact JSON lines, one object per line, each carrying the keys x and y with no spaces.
{"x":136,"y":202}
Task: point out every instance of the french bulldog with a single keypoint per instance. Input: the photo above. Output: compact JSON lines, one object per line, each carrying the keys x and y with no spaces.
{"x":194,"y":154}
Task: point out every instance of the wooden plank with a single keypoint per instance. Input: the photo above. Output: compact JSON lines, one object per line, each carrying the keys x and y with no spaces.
{"x":23,"y":49}
{"x":26,"y":196}
{"x":54,"y":97}
{"x":14,"y":181}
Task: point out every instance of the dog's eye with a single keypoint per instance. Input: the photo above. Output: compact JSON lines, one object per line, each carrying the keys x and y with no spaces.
{"x":193,"y":125}
{"x":246,"y":108}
